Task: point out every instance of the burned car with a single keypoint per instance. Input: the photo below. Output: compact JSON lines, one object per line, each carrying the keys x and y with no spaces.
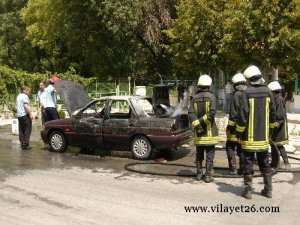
{"x":115,"y":123}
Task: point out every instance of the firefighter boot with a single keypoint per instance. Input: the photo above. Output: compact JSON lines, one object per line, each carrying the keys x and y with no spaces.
{"x":248,"y":187}
{"x":232,"y":165}
{"x":199,"y":170}
{"x":208,"y":175}
{"x":267,"y":191}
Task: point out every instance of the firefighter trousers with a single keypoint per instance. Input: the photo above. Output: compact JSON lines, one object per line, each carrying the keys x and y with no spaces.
{"x":262,"y":159}
{"x":210,"y":153}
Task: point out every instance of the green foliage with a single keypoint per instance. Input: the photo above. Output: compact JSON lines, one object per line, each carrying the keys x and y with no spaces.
{"x":230,"y":35}
{"x":12,"y":81}
{"x":16,"y":50}
{"x":112,"y":38}
{"x":61,"y":114}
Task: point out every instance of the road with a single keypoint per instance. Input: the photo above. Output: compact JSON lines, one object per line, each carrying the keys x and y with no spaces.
{"x":41,"y":187}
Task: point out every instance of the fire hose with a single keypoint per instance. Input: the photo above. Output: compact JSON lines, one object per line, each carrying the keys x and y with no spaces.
{"x":132,"y":167}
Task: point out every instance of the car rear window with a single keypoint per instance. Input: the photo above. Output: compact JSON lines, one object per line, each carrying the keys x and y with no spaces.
{"x":146,"y":106}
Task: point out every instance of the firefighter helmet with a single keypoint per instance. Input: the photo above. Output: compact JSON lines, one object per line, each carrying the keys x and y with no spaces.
{"x":274,"y":86}
{"x":204,"y":80}
{"x":54,"y":79}
{"x":252,"y":71}
{"x":238,"y":78}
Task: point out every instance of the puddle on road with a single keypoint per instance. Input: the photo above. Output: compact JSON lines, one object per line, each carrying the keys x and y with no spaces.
{"x":14,"y":161}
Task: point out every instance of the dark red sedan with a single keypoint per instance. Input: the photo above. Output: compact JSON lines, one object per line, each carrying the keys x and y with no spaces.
{"x":116,"y":122}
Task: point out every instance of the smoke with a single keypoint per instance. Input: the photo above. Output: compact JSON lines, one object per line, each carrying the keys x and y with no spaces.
{"x":181,"y":106}
{"x":178,"y":110}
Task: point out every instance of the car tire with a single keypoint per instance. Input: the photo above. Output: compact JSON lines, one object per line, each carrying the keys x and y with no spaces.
{"x":57,"y":141}
{"x":141,"y":147}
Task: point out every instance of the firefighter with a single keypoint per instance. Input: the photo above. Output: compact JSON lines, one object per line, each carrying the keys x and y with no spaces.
{"x":202,"y":113}
{"x":280,"y":133}
{"x":254,"y":127}
{"x":239,"y":85}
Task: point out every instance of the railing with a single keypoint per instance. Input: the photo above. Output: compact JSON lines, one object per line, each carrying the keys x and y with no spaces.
{"x":102,"y":94}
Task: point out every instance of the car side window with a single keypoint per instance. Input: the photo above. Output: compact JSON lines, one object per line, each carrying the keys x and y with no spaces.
{"x":120,"y":109}
{"x":94,"y":110}
{"x":100,"y":108}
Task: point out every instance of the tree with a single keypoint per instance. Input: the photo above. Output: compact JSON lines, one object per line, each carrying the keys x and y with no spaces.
{"x":233,"y":34}
{"x":196,"y":35}
{"x":111,"y":38}
{"x":15,"y":50}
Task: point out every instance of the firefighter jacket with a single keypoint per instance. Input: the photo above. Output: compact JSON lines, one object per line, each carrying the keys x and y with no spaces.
{"x":280,"y":133}
{"x":233,"y":113}
{"x":256,"y":118}
{"x":202,"y":113}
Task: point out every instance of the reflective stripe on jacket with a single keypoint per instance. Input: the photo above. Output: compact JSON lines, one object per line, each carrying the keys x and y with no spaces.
{"x":202,"y":112}
{"x":256,"y":118}
{"x":233,"y":114}
{"x":280,"y":133}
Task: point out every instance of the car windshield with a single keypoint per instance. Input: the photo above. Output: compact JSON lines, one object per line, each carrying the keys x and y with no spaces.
{"x":95,"y":109}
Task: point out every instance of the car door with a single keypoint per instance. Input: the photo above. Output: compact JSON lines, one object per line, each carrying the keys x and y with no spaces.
{"x":88,"y":127}
{"x":119,"y":125}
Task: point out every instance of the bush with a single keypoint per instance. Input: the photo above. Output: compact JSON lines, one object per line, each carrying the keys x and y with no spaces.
{"x":61,"y":114}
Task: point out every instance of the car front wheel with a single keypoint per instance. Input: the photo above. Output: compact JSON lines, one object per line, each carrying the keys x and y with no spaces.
{"x":57,"y":141}
{"x":141,"y":147}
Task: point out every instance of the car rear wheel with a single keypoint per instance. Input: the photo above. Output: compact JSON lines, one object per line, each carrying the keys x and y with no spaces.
{"x":141,"y":147}
{"x":57,"y":141}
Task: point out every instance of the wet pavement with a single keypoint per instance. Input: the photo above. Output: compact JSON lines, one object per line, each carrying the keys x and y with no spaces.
{"x":42,"y":187}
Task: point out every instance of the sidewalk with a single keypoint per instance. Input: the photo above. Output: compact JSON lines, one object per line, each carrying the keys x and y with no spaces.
{"x":4,"y":122}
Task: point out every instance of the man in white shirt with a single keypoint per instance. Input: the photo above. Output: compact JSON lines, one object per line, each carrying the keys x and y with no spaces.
{"x":228,"y":97}
{"x":50,"y":104}
{"x":24,"y":117}
{"x":41,"y":101}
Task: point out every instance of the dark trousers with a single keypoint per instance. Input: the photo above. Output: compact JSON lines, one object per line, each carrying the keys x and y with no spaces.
{"x":210,"y":153}
{"x":262,"y":160}
{"x":275,"y":156}
{"x":180,"y":97}
{"x":43,"y":115}
{"x":51,"y":113}
{"x":25,"y":126}
{"x":231,"y":146}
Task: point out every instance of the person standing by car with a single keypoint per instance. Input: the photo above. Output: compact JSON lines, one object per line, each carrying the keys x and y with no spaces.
{"x":41,"y":101}
{"x":192,"y":90}
{"x":50,"y":103}
{"x":280,"y":133}
{"x":202,"y":113}
{"x":24,"y":118}
{"x":239,"y":85}
{"x":254,"y":127}
{"x":228,"y":97}
{"x":180,"y":90}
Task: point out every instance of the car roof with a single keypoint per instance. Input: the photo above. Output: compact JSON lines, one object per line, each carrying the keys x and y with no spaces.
{"x":122,"y":97}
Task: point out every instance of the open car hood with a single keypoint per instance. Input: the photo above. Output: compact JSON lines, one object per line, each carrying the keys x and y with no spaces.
{"x":73,"y":95}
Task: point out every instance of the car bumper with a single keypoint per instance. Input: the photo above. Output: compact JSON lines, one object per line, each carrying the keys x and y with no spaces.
{"x":171,"y":141}
{"x":44,"y":135}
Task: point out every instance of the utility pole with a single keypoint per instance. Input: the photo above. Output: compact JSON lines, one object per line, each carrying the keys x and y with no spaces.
{"x":275,"y":74}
